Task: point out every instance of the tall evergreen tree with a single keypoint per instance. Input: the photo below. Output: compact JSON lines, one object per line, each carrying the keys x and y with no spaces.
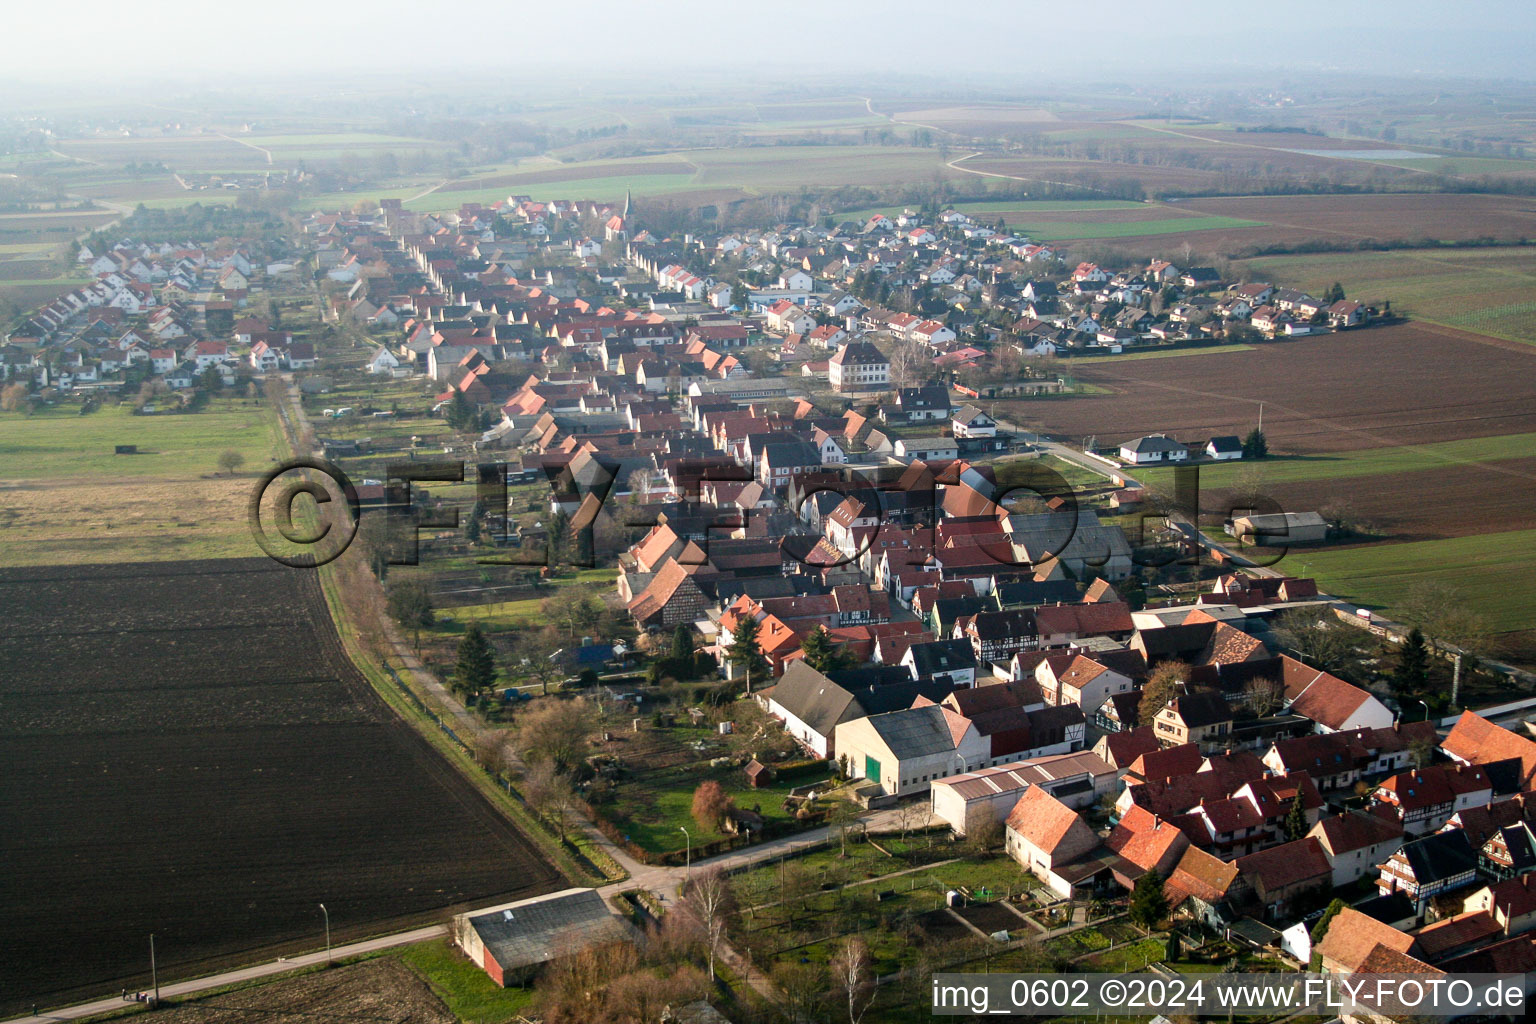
{"x":1412,"y":672}
{"x":475,"y":669}
{"x":1255,"y":445}
{"x":744,"y":651}
{"x":682,"y":642}
{"x":822,"y":654}
{"x":1296,"y":826}
{"x":557,"y":547}
{"x":1148,"y":904}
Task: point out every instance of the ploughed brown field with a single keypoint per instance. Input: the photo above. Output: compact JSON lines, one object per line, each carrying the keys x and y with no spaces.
{"x":189,"y":752}
{"x":1366,"y":388}
{"x":1385,"y":217}
{"x":1449,"y":501}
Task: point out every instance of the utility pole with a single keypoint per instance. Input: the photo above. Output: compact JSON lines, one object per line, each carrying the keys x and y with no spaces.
{"x":1456,"y":680}
{"x":687,"y":854}
{"x":154,"y":975}
{"x":327,"y":914}
{"x":1261,"y":417}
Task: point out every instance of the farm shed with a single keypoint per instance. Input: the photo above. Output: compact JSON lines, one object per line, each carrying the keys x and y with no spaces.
{"x":1281,"y":528}
{"x":970,"y":800}
{"x":510,"y":941}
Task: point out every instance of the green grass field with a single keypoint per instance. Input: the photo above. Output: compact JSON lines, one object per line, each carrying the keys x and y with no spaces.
{"x":1495,"y":572}
{"x":1365,"y":462}
{"x":467,"y":991}
{"x":651,"y":811}
{"x":65,"y":498}
{"x":1490,"y":291}
{"x":59,"y":444}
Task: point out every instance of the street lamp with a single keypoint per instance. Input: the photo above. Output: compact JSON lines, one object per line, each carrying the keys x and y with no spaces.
{"x":327,"y":914}
{"x":687,"y":853}
{"x":1426,"y":710}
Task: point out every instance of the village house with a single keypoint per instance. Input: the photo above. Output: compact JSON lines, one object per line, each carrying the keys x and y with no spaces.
{"x":1051,"y":842}
{"x":1424,"y":868}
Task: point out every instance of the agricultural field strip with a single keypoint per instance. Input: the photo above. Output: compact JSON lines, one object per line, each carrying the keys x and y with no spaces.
{"x":1317,"y":421}
{"x":244,"y":699}
{"x":1483,"y":451}
{"x":1493,"y":572}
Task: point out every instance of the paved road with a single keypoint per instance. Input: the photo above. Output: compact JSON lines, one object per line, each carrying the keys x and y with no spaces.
{"x":266,"y":970}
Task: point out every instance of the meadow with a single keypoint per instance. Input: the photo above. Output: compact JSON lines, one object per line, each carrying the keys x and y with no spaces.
{"x":1488,"y":291}
{"x":699,"y":174}
{"x":65,"y":498}
{"x":1492,"y":571}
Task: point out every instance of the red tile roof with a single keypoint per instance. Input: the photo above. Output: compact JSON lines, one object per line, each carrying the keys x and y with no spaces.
{"x":1351,"y":937}
{"x":1475,"y":740}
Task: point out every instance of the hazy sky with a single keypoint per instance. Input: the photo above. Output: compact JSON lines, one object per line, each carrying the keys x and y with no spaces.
{"x":87,"y":42}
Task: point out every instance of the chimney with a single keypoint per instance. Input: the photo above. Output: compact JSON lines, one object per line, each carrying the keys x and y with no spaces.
{"x":1157,"y":822}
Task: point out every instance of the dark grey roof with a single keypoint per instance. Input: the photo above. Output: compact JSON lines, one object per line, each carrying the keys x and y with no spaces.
{"x":864,"y":678}
{"x":1051,"y":534}
{"x":915,"y":732}
{"x":1030,"y":593}
{"x":1440,"y":856}
{"x":791,"y":453}
{"x":1226,"y":443}
{"x":1185,"y":640}
{"x":929,"y":396}
{"x":1388,"y":909}
{"x":1154,"y":443}
{"x":814,"y":699}
{"x":532,"y":931}
{"x":942,"y":656}
{"x":1005,"y":625}
{"x":1201,"y":709}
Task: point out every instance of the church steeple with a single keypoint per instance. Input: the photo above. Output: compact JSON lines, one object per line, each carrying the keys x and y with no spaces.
{"x":626,"y":204}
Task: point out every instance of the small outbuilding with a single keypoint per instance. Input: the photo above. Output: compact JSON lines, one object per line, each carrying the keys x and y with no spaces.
{"x":1224,"y":448}
{"x":1280,"y":529}
{"x":512,"y":940}
{"x":758,"y":774}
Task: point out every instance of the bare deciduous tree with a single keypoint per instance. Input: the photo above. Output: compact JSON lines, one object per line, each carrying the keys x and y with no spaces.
{"x":711,"y":902}
{"x":909,"y":363}
{"x":1321,"y":643}
{"x":853,"y":979}
{"x":1263,"y":695}
{"x":550,"y":793}
{"x":1442,"y":612}
{"x":557,"y":733}
{"x":801,"y":990}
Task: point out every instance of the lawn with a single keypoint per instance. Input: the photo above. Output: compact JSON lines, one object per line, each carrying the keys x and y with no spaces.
{"x":1163,"y":353}
{"x":60,"y":444}
{"x":467,"y":991}
{"x":1126,"y":959}
{"x":1496,"y":573}
{"x":1000,"y":873}
{"x":864,"y":860}
{"x":653,"y":809}
{"x":66,"y":498}
{"x":1486,"y":290}
{"x":1363,"y":462}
